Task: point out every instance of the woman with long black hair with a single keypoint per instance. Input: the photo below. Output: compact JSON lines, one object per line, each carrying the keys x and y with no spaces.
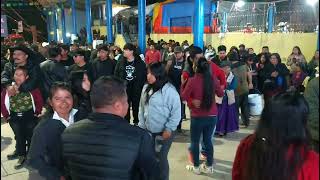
{"x":203,"y":87}
{"x":160,"y":113}
{"x":278,"y":150}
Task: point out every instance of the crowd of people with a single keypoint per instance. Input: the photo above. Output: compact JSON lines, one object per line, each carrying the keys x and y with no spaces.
{"x":70,"y":109}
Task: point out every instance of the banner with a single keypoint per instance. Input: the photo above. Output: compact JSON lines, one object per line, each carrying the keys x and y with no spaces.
{"x":4,"y":27}
{"x":20,"y":26}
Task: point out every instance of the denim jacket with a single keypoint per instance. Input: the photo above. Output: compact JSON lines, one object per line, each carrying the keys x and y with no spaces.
{"x":163,"y":110}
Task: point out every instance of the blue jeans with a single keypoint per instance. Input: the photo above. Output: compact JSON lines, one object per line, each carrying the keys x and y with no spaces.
{"x":162,"y":156}
{"x":203,"y":147}
{"x":204,"y":126}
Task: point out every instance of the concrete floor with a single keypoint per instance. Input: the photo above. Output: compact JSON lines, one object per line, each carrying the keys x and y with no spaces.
{"x":224,"y":152}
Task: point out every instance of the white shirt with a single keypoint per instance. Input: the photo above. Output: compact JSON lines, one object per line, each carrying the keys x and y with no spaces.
{"x":63,"y":121}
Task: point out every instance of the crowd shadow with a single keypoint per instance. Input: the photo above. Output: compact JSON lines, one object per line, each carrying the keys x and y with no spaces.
{"x":236,"y":136}
{"x":5,"y":142}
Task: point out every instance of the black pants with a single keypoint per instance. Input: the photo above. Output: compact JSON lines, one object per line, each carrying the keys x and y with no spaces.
{"x":22,"y":125}
{"x":133,"y":101}
{"x":243,"y":104}
{"x":183,"y":114}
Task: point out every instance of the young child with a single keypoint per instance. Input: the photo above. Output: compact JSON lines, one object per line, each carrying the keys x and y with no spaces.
{"x":227,"y":112}
{"x":21,"y":111}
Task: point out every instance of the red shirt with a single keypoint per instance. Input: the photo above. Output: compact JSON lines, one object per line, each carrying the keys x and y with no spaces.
{"x":153,"y":56}
{"x":193,"y":89}
{"x":308,"y":171}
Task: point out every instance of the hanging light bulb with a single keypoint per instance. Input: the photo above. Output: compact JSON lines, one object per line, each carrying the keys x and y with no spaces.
{"x":240,"y":3}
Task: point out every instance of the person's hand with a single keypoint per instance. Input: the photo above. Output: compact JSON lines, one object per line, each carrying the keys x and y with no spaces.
{"x":196,"y":103}
{"x":11,"y":91}
{"x":62,"y":178}
{"x":250,"y":86}
{"x":166,"y":135}
{"x":183,"y":80}
{"x":86,"y":85}
{"x":6,"y":120}
{"x":274,"y":74}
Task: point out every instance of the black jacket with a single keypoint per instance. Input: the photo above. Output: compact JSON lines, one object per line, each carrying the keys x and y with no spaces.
{"x":100,"y":68}
{"x":31,"y":83}
{"x":45,"y":154}
{"x":139,"y":75}
{"x":52,"y":71}
{"x":105,"y":146}
{"x":175,"y":72}
{"x":281,"y":69}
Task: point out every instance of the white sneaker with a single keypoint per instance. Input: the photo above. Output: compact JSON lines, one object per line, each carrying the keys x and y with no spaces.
{"x":195,"y":170}
{"x":206,"y":169}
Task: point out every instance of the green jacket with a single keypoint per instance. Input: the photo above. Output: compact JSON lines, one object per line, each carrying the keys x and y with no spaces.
{"x":312,"y":96}
{"x":240,"y":71}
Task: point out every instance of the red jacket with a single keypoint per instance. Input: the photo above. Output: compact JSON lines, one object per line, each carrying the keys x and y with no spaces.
{"x":36,"y":98}
{"x":217,"y":73}
{"x":193,"y":89}
{"x":153,"y":56}
{"x":308,"y":171}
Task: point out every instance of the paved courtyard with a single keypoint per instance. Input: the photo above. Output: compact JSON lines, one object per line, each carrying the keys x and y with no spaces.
{"x":224,"y":152}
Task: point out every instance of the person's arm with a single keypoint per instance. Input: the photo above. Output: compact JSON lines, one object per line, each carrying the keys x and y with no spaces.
{"x":174,"y":104}
{"x":38,"y":101}
{"x":186,"y":90}
{"x":117,"y":70}
{"x":141,"y":109}
{"x":33,"y":81}
{"x":240,"y":159}
{"x":311,"y":95}
{"x":147,"y":58}
{"x":159,"y":56}
{"x":37,"y":156}
{"x":249,"y":80}
{"x":7,"y":75}
{"x":146,"y":160}
{"x":218,"y":88}
{"x":289,"y":61}
{"x":4,"y":110}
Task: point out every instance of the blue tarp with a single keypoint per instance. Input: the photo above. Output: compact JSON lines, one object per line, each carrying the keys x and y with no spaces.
{"x":180,"y":13}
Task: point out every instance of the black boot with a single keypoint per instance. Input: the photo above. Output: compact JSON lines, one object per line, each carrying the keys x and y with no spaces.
{"x":20,"y":162}
{"x":13,"y":155}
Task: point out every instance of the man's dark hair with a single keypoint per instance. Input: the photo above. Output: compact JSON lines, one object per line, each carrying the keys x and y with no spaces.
{"x":242,"y":45}
{"x":265,"y":47}
{"x":222,"y":48}
{"x":23,"y":69}
{"x":106,"y":90}
{"x":54,"y":51}
{"x":65,"y":47}
{"x":194,"y":51}
{"x":104,"y":47}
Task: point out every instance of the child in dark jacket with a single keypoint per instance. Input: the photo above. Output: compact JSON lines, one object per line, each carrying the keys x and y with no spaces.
{"x":21,"y":111}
